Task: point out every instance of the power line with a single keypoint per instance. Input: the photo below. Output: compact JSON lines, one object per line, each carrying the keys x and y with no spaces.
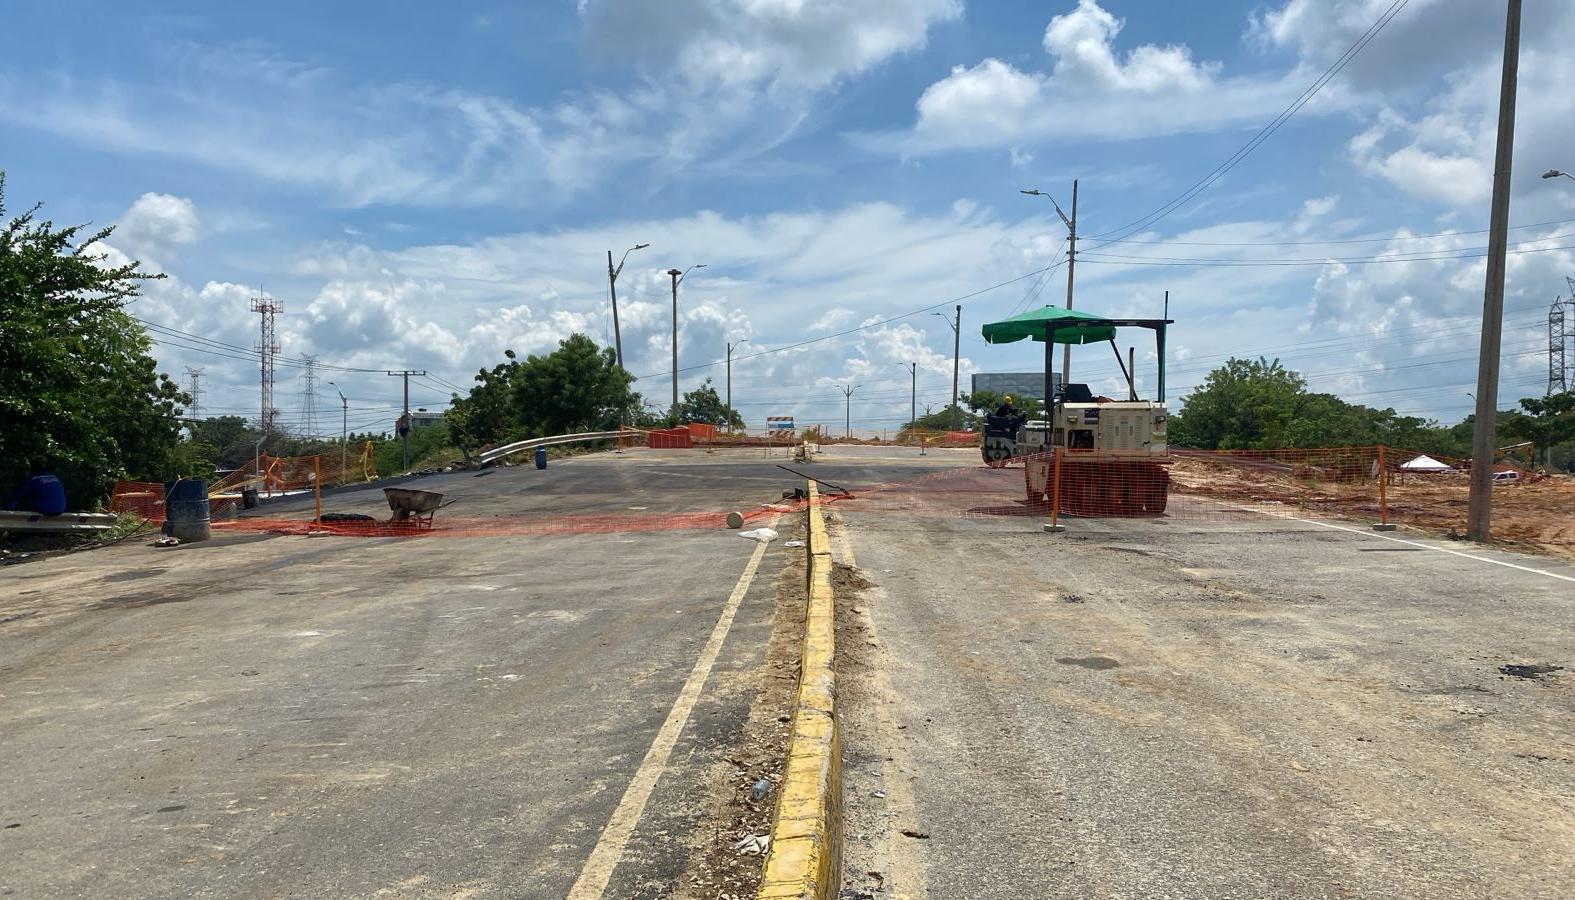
{"x":1314,"y":243}
{"x":1263,"y":134}
{"x":844,"y":333}
{"x":1111,"y":259}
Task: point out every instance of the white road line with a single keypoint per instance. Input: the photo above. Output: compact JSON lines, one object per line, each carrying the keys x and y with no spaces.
{"x":1365,"y":533}
{"x":609,"y":848}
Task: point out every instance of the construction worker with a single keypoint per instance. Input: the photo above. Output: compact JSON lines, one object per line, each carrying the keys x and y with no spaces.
{"x":1006,"y":409}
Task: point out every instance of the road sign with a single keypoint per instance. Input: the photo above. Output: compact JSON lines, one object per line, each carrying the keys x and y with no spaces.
{"x":779,"y":423}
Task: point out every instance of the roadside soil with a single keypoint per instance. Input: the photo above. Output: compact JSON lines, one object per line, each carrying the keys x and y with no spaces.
{"x":719,"y":868}
{"x":1537,"y":516}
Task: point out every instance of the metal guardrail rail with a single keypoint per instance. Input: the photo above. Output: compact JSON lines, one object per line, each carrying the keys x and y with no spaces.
{"x":497,"y":453}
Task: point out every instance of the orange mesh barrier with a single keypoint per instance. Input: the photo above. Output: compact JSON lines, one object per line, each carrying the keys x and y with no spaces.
{"x":138,"y":498}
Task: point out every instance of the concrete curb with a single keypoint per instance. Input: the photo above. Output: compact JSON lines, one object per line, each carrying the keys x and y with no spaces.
{"x":805,"y":858}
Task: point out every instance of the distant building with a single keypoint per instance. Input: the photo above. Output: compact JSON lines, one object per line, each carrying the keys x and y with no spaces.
{"x":1018,"y":384}
{"x":422,"y":419}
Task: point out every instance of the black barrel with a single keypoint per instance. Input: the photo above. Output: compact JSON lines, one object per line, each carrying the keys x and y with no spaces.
{"x":186,"y":509}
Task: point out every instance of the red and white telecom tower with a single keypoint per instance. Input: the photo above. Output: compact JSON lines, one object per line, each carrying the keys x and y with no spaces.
{"x":267,"y":349}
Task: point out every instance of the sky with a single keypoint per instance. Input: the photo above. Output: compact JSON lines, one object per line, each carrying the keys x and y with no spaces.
{"x":423,"y":186}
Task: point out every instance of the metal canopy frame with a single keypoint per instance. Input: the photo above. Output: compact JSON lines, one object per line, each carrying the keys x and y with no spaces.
{"x":1054,"y":325}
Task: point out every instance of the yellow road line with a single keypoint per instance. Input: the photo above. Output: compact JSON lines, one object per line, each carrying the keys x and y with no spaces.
{"x":609,"y":848}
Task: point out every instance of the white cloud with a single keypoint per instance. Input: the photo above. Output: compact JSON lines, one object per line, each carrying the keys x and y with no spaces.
{"x":1426,"y":38}
{"x":1082,"y":43}
{"x":780,"y":43}
{"x":1317,"y":207}
{"x":156,"y":224}
{"x":722,"y":83}
{"x":1435,"y":68}
{"x":1158,"y":90}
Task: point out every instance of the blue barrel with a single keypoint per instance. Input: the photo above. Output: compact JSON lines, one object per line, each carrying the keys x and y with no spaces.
{"x":186,"y":509}
{"x":45,"y":495}
{"x":541,"y":457}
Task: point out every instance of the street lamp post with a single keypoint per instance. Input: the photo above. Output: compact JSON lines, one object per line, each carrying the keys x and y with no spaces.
{"x":344,"y":432}
{"x":913,"y":397}
{"x":1555,"y":173}
{"x":1071,"y":266}
{"x":677,"y":276}
{"x":847,"y":394}
{"x":612,"y":290}
{"x":956,"y":326}
{"x":730,"y":348}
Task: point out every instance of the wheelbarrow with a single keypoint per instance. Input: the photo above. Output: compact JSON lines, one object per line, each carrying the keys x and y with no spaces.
{"x":410,"y":505}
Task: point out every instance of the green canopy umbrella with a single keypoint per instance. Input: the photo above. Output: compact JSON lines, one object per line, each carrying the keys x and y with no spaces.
{"x":1033,"y":324}
{"x":1054,"y":325}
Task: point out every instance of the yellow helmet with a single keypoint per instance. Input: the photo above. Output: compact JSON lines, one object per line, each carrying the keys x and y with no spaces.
{"x":1008,"y":398}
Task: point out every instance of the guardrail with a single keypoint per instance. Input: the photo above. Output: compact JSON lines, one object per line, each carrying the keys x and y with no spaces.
{"x":497,"y":453}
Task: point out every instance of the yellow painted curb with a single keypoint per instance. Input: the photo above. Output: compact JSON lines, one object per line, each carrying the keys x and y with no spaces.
{"x":805,"y":858}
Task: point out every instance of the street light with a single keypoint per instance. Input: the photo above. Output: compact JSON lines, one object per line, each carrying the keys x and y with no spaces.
{"x":956,"y":326}
{"x":913,"y":398}
{"x":612,"y":289}
{"x":847,"y":394}
{"x":1554,"y":173}
{"x":730,"y":348}
{"x":1071,"y":264}
{"x":677,"y":276}
{"x":344,"y":431}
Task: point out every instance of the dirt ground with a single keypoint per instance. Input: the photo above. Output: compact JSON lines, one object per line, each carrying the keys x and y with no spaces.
{"x":1538,"y":516}
{"x":743,"y":784}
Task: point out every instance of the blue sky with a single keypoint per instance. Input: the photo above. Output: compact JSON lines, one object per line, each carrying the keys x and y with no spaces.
{"x":426,"y":186}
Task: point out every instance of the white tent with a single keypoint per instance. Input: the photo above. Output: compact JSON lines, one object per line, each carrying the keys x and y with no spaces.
{"x":1424,"y":463}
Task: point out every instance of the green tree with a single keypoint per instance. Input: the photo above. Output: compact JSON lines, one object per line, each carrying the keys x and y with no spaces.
{"x":1548,"y":422}
{"x":80,"y":395}
{"x":577,"y":387}
{"x":704,"y":406}
{"x":944,"y":419}
{"x":1259,"y":405}
{"x":234,"y":440}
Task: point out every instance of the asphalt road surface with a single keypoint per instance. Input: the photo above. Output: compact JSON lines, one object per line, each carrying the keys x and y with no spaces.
{"x":1249,"y":709}
{"x":477,"y":715}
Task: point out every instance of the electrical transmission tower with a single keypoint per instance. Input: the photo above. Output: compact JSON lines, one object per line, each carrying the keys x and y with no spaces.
{"x":1561,"y":335}
{"x":196,"y":393}
{"x":267,"y":349}
{"x":309,"y":395}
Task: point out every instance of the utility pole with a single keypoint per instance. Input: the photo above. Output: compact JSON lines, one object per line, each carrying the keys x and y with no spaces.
{"x":847,"y":394}
{"x":612,"y":290}
{"x":404,"y":420}
{"x":956,"y":326}
{"x":1479,"y":509}
{"x":344,"y":432}
{"x":730,"y":349}
{"x":1071,"y":268}
{"x":677,"y":276}
{"x":913,"y":397}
